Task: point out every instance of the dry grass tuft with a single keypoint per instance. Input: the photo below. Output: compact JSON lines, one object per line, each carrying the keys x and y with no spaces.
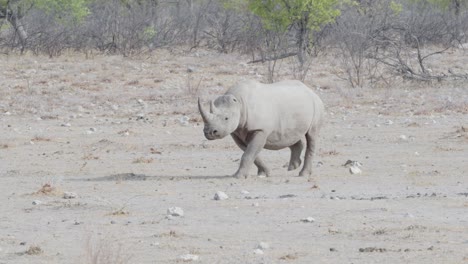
{"x":106,"y":251}
{"x":289,"y":257}
{"x":120,"y":212}
{"x":143,"y":160}
{"x":40,"y":139}
{"x":49,"y":190}
{"x":34,"y":250}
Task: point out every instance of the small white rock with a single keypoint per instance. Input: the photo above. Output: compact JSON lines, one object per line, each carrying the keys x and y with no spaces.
{"x":258,"y":251}
{"x":263,"y":245}
{"x":7,"y":113}
{"x":403,"y":138}
{"x":189,"y":257}
{"x":255,"y":204}
{"x":416,"y":153}
{"x":36,"y":202}
{"x":66,"y":125}
{"x":219,"y":196}
{"x":69,"y":195}
{"x":308,"y":220}
{"x":184,"y":120}
{"x":245,"y":192}
{"x":175,"y":211}
{"x":354,"y":170}
{"x":389,"y":122}
{"x":154,"y":244}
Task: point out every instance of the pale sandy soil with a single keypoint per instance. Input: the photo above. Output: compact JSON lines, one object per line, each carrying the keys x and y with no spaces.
{"x":109,"y":129}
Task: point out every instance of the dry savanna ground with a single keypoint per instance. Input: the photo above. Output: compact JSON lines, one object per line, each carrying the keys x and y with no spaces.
{"x":93,"y":152}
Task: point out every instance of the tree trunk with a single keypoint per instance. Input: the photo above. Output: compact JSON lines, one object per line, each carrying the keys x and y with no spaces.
{"x":302,"y":40}
{"x":14,"y":19}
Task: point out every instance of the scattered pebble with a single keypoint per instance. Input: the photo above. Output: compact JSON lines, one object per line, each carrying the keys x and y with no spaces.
{"x":263,"y":246}
{"x":69,"y":195}
{"x":355,"y":170}
{"x":255,"y":204}
{"x":189,"y":257}
{"x":245,"y":192}
{"x":403,"y":138}
{"x":66,"y":125}
{"x":175,"y":211}
{"x":113,"y":222}
{"x":354,"y":166}
{"x":258,"y":251}
{"x":219,"y":196}
{"x":93,"y":129}
{"x":184,"y":120}
{"x":389,"y":122}
{"x":154,"y":244}
{"x":308,"y":220}
{"x":36,"y":202}
{"x":7,"y":113}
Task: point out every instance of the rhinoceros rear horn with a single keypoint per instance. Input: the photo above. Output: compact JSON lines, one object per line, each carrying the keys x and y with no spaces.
{"x":204,"y":114}
{"x":212,"y":107}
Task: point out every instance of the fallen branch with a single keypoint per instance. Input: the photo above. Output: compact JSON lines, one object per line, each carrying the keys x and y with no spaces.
{"x":283,"y":56}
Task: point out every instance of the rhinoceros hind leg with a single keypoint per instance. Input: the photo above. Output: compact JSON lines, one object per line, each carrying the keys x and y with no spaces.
{"x":296,"y":151}
{"x":311,"y":138}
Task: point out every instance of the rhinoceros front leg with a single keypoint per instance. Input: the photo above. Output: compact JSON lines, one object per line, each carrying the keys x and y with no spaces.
{"x":255,"y":143}
{"x":296,"y":151}
{"x":263,"y":170}
{"x":311,"y":138}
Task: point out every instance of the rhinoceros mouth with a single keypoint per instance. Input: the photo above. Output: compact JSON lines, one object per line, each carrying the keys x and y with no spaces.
{"x":210,"y":137}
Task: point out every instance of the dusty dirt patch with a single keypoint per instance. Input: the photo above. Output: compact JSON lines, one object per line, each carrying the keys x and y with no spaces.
{"x":125,"y":136}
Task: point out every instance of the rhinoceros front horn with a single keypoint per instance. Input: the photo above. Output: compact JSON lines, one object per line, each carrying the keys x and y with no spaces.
{"x":205,"y":115}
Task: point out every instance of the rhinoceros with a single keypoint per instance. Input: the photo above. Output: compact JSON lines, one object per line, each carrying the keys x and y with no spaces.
{"x":271,"y":116}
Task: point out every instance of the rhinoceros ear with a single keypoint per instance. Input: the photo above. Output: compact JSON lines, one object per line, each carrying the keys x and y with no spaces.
{"x":205,"y":115}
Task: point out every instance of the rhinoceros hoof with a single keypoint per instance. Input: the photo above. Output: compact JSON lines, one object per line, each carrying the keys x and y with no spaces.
{"x":294,"y":165}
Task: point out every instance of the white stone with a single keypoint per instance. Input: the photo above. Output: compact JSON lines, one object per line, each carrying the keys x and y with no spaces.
{"x":258,"y":251}
{"x":404,"y":137}
{"x":245,"y":192}
{"x":189,"y":257}
{"x":219,"y":196}
{"x":36,"y":202}
{"x":175,"y":211}
{"x":263,"y":245}
{"x":66,"y":125}
{"x":308,"y":220}
{"x":354,"y":170}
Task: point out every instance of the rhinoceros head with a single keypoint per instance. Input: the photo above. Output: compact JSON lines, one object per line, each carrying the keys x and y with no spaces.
{"x":222,"y":118}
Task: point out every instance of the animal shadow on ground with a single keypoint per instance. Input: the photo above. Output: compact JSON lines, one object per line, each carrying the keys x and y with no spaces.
{"x":143,"y":177}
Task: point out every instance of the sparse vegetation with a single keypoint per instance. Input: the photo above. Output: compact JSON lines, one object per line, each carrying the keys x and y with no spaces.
{"x":105,"y":251}
{"x":374,"y":40}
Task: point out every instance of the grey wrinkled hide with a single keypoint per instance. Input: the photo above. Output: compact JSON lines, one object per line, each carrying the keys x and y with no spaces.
{"x":272,"y":116}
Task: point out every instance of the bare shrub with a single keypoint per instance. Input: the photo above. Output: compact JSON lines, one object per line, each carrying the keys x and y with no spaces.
{"x":105,"y":251}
